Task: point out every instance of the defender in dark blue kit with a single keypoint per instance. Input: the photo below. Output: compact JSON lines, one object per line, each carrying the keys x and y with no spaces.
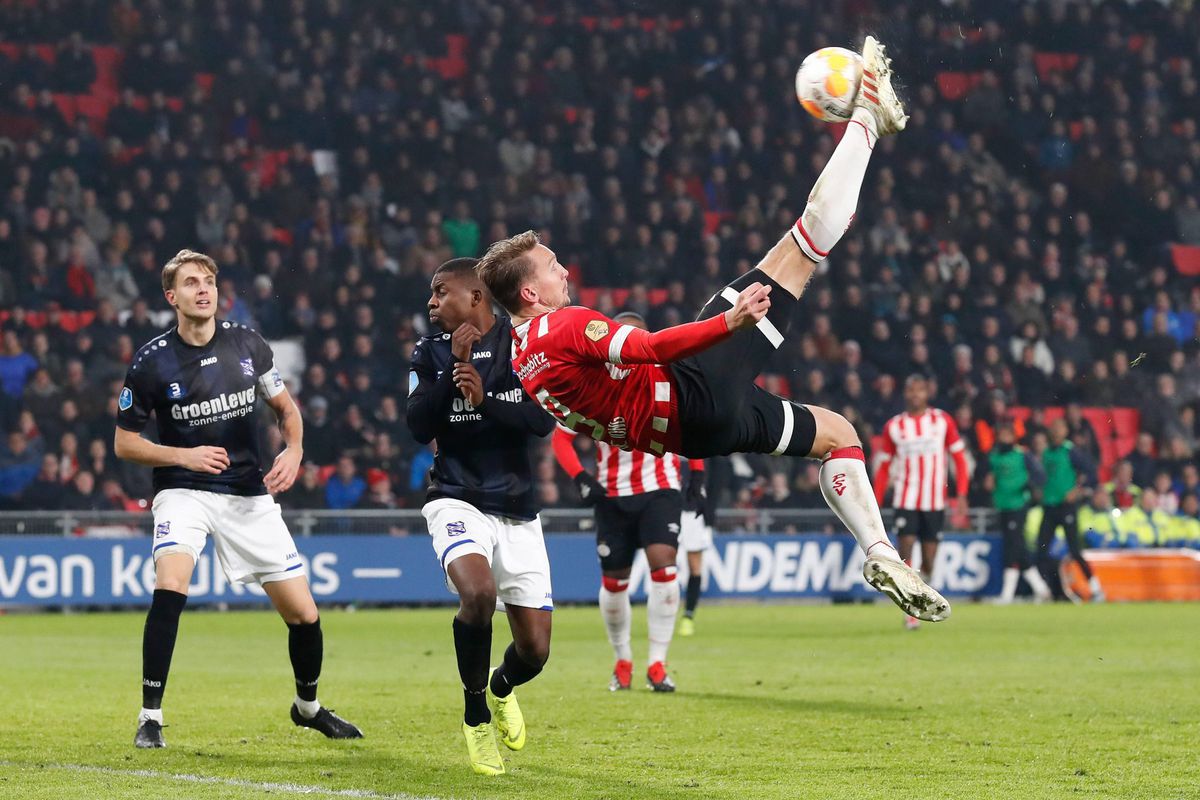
{"x":481,"y":507}
{"x":201,"y":380}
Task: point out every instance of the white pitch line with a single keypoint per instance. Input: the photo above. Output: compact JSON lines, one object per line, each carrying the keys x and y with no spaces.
{"x":375,"y":572}
{"x":267,"y":786}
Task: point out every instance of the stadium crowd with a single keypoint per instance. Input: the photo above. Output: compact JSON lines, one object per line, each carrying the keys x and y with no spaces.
{"x":1012,"y":243}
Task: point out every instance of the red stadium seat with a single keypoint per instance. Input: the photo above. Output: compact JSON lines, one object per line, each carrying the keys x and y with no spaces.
{"x":95,"y":109}
{"x":956,"y":85}
{"x":66,"y":107}
{"x":108,"y":70}
{"x":47,"y":53}
{"x":325,"y":473}
{"x":1047,"y":63}
{"x":1186,"y":258}
{"x":1126,"y":423}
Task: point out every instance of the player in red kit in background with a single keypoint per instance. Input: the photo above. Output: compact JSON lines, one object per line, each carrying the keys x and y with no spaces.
{"x":913,"y":466}
{"x":639,"y":504}
{"x":690,"y":389}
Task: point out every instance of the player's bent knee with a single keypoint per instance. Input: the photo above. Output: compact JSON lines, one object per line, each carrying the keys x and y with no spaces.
{"x":476,"y":606}
{"x":535,"y":653}
{"x":833,"y":431}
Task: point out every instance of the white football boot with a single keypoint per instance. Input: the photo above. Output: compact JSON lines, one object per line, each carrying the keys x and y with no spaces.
{"x":875,"y":93}
{"x":902,"y":583}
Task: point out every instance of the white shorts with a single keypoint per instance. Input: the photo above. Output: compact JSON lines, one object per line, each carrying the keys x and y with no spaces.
{"x":694,"y":535}
{"x":249,"y":533}
{"x":514,"y":549}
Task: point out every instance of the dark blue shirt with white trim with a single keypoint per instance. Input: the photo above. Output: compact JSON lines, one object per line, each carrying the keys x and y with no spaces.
{"x":203,"y":396}
{"x":484,"y":455}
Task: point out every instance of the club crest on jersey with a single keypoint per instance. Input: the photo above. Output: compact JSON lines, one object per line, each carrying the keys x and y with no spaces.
{"x":596,"y":330}
{"x":162,"y":529}
{"x":456,"y":528}
{"x":125,"y":401}
{"x":247,"y":367}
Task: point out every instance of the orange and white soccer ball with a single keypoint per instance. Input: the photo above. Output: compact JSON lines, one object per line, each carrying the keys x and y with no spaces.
{"x":827,"y":83}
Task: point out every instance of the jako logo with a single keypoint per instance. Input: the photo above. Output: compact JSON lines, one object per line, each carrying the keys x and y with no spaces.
{"x":204,"y":362}
{"x":839,"y":483}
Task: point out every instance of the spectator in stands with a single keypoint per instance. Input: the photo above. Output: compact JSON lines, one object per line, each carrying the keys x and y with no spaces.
{"x":81,"y":495}
{"x":16,"y":365}
{"x":1123,"y":490}
{"x":307,"y":492}
{"x":19,"y":465}
{"x":45,"y":493}
{"x":345,"y":488}
{"x":1143,"y":461}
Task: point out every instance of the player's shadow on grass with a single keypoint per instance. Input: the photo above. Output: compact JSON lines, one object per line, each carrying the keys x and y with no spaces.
{"x":792,"y":700}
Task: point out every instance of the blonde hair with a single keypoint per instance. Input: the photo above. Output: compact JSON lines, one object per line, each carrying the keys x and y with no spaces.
{"x":186,"y":257}
{"x":506,"y":266}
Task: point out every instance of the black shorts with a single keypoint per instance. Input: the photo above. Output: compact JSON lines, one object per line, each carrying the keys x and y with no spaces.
{"x":926,"y":525}
{"x":721,"y":410}
{"x":623,"y":524}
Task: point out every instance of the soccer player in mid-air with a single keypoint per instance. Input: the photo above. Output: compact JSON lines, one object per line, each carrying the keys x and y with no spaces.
{"x":690,"y":389}
{"x":638,"y":503}
{"x":481,"y":506}
{"x":913,"y":466}
{"x":201,"y":379}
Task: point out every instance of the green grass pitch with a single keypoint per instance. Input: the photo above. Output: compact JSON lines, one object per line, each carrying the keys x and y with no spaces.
{"x":773,"y":702}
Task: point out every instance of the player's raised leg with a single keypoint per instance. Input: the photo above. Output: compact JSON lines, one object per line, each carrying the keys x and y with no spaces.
{"x":173,"y":573}
{"x":293,"y":600}
{"x":472,"y":578}
{"x":834,"y":197}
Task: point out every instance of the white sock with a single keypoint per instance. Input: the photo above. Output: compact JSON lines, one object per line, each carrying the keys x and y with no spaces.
{"x":834,"y":196}
{"x":150,"y":713}
{"x":1094,"y":585}
{"x":307,"y":708}
{"x":1011,"y":576}
{"x":618,"y":616}
{"x":847,"y":489}
{"x":1034,"y":578}
{"x":662,"y":604}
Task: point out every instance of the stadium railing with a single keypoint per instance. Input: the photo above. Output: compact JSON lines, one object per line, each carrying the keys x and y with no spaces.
{"x":401,"y":522}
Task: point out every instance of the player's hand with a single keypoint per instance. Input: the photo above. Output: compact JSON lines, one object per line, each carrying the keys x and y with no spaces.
{"x":590,"y":489}
{"x":463,"y":339}
{"x":467,"y":379}
{"x":283,"y":471}
{"x":213,"y":460}
{"x":751,"y":306}
{"x":961,"y":519}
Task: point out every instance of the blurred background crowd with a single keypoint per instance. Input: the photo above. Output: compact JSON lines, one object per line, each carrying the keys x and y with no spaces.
{"x":1031,"y":242}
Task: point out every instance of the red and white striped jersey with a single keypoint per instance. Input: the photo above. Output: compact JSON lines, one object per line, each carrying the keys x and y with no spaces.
{"x":624,"y":473}
{"x":914,"y":455}
{"x":628,"y":472}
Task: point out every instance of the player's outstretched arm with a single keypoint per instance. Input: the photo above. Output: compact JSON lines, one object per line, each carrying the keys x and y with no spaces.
{"x":287,"y":463}
{"x":130,"y":446}
{"x":630,"y":345}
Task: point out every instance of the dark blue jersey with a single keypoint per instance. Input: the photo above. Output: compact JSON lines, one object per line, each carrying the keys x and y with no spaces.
{"x":483,"y":454}
{"x":203,"y":396}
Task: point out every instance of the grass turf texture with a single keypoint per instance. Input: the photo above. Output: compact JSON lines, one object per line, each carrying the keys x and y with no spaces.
{"x":774,"y":702}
